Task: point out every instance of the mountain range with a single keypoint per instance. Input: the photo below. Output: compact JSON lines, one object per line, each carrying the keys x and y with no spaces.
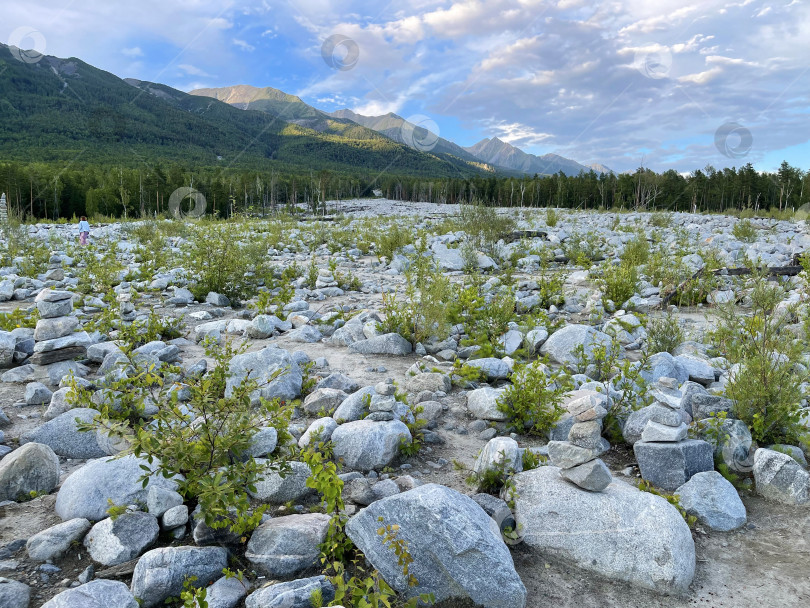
{"x":66,"y":111}
{"x":491,"y":153}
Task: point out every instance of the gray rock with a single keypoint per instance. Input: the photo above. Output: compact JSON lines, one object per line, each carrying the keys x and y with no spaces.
{"x":384,"y":488}
{"x":432,"y":382}
{"x":160,"y":499}
{"x":50,"y":329}
{"x":664,"y":365}
{"x":115,"y":542}
{"x":457,"y":548}
{"x":365,"y":445}
{"x":286,"y":546}
{"x":174,"y":518}
{"x":586,"y":434}
{"x":63,"y":436}
{"x":277,"y":490}
{"x":593,"y":476}
{"x":95,"y":594}
{"x":98,"y":352}
{"x":85,"y":492}
{"x":566,"y":455}
{"x":322,"y":428}
{"x":492,"y":368}
{"x":561,"y":345}
{"x":30,"y":468}
{"x":293,"y":594}
{"x":698,"y":370}
{"x":160,"y":573}
{"x":37,"y":393}
{"x":659,"y":432}
{"x":500,"y":454}
{"x":793,"y":451}
{"x":59,"y":403}
{"x":51,"y":304}
{"x":14,"y":594}
{"x":670,"y":465}
{"x":355,"y":406}
{"x":8,"y":344}
{"x":306,"y":334}
{"x":511,"y":341}
{"x":264,"y":326}
{"x":689,"y":390}
{"x":498,"y":510}
{"x":263,"y":442}
{"x":338,"y":381}
{"x":621,"y":533}
{"x":536,"y":338}
{"x":56,"y":540}
{"x":226,"y":592}
{"x":217,"y":299}
{"x":559,"y":431}
{"x":704,"y":406}
{"x":359,"y":491}
{"x":323,"y":400}
{"x":780,"y":478}
{"x":386,"y":344}
{"x":261,"y":366}
{"x":483,"y":404}
{"x":713,"y":500}
{"x":636,"y":423}
{"x":664,"y":416}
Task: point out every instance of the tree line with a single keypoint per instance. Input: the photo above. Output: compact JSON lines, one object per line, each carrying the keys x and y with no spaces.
{"x":50,"y":191}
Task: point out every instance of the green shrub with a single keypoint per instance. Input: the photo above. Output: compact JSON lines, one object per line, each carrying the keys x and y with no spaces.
{"x":636,"y":252}
{"x":484,"y":225}
{"x":767,"y":387}
{"x":533,"y":401}
{"x":387,"y":241}
{"x":19,"y":318}
{"x":618,"y":282}
{"x":660,"y":220}
{"x":664,"y":334}
{"x":552,"y":217}
{"x":744,"y":231}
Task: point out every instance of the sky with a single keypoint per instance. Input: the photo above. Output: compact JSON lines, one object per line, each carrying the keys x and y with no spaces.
{"x":664,"y":84}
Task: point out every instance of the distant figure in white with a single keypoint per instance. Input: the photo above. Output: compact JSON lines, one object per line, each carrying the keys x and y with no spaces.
{"x":84,"y":230}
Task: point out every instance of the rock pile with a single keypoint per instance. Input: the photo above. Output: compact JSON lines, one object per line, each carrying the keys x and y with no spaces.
{"x":577,"y":458}
{"x":666,"y":457}
{"x":55,"y":334}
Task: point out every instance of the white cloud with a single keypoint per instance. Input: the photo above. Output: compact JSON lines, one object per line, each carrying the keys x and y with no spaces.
{"x":193,"y":70}
{"x":244,"y":45}
{"x":135,"y":51}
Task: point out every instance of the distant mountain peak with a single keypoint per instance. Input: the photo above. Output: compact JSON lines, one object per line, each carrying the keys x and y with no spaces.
{"x":504,"y":154}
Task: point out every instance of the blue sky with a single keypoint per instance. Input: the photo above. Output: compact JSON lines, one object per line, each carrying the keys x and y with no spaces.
{"x":618,"y":82}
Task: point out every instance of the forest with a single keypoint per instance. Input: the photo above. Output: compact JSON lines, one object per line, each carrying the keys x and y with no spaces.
{"x":53,"y":191}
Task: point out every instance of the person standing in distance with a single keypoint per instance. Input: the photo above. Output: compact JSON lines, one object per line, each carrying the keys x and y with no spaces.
{"x":84,"y":230}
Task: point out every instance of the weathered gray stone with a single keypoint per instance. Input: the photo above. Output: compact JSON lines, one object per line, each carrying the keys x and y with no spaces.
{"x":50,"y":329}
{"x":174,"y":518}
{"x":30,"y":468}
{"x":365,"y":445}
{"x":698,"y":370}
{"x":286,"y":546}
{"x":659,"y":432}
{"x":500,"y":454}
{"x":293,"y":594}
{"x":307,"y":334}
{"x":492,"y":368}
{"x":160,"y":499}
{"x":63,"y":436}
{"x":621,"y":533}
{"x":111,"y":542}
{"x":706,"y":406}
{"x":432,"y":382}
{"x":323,"y":400}
{"x":263,"y":442}
{"x":355,"y":406}
{"x":586,"y":434}
{"x":51,"y":303}
{"x":8,"y":344}
{"x":713,"y":500}
{"x":636,"y":423}
{"x":664,"y":365}
{"x":14,"y":594}
{"x":566,"y":455}
{"x":386,"y":344}
{"x":593,"y":476}
{"x":85,"y":492}
{"x":338,"y":381}
{"x":56,"y":540}
{"x":37,"y":393}
{"x":95,"y":594}
{"x":277,"y":490}
{"x":483,"y":404}
{"x":226,"y":592}
{"x":457,"y":548}
{"x":321,"y":429}
{"x":670,"y":465}
{"x":560,"y":347}
{"x":780,"y":478}
{"x":261,"y":366}
{"x":160,"y":573}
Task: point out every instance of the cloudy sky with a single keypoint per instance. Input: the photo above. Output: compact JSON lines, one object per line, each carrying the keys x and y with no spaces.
{"x":667,"y":83}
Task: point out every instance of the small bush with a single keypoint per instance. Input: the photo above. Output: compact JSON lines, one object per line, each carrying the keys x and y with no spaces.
{"x":552,"y":217}
{"x":533,"y":401}
{"x":618,"y":283}
{"x":636,"y":252}
{"x":664,"y":334}
{"x":744,"y":231}
{"x":19,"y":318}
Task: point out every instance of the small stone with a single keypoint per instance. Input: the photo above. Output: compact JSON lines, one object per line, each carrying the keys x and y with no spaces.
{"x":593,"y":476}
{"x":586,"y":434}
{"x":565,"y":455}
{"x":658,"y":432}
